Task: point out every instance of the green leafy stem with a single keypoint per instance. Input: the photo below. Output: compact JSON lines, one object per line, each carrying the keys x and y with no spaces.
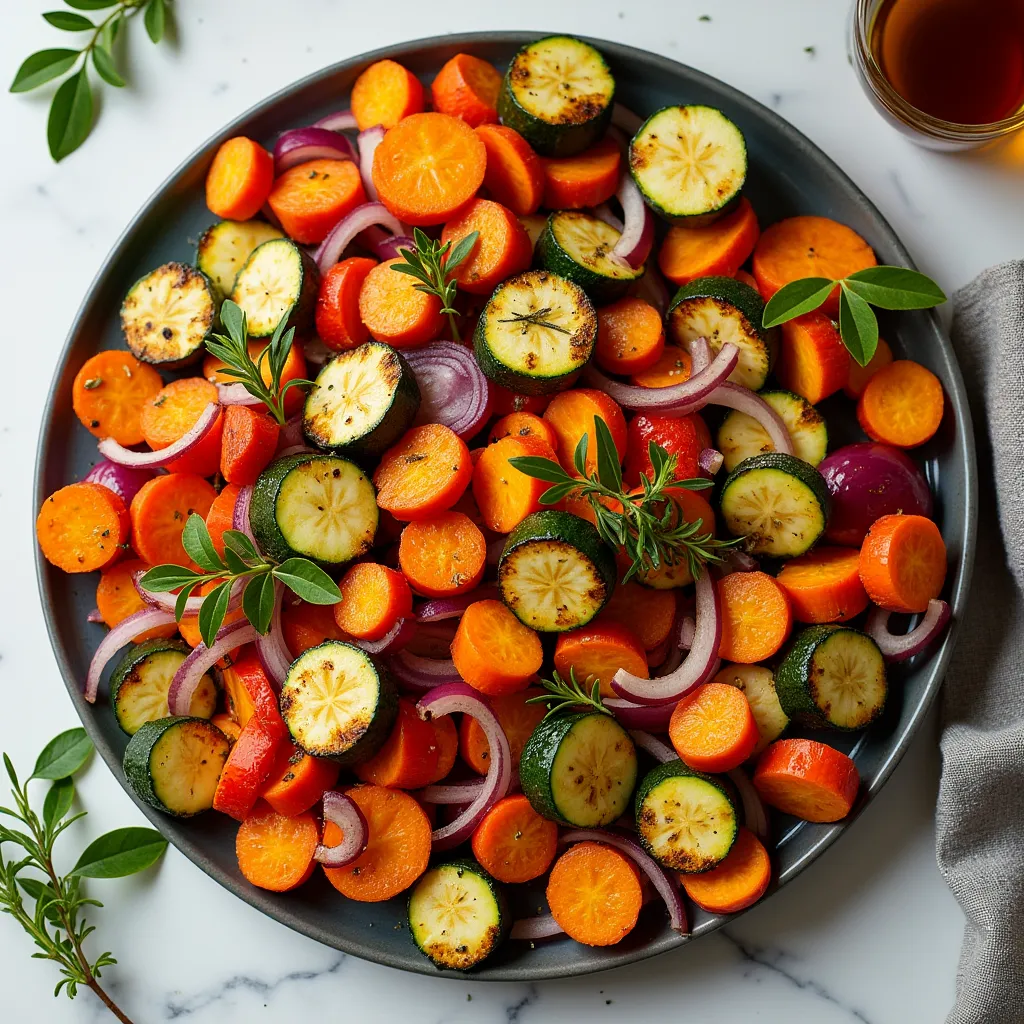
{"x":562,"y":696}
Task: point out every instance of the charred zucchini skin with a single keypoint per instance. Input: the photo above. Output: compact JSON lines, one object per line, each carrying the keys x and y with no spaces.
{"x":224,"y":247}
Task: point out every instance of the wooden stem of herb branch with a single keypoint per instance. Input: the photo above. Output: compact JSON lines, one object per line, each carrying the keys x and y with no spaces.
{"x":124,"y":9}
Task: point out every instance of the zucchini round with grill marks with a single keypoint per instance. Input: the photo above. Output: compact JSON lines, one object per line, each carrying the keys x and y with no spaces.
{"x":685,"y":820}
{"x":536,"y":333}
{"x":758,"y":686}
{"x":690,"y":162}
{"x":318,"y":506}
{"x":740,"y":436}
{"x":722,"y":309}
{"x":278,"y":283}
{"x":832,"y":678}
{"x":457,"y":915}
{"x":555,"y":572}
{"x":363,"y":401}
{"x":558,"y":94}
{"x":579,"y":769}
{"x":777,"y":502}
{"x":167,"y":315}
{"x":577,"y":246}
{"x":139,"y":684}
{"x":338,"y":702}
{"x":224,"y":248}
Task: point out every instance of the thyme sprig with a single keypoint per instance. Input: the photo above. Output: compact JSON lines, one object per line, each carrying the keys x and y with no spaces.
{"x":537,"y":317}
{"x":562,"y":696}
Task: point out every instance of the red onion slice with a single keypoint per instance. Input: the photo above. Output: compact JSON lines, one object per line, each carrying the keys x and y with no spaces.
{"x":687,"y":631}
{"x":677,"y":399}
{"x":296,"y":449}
{"x":95,"y":616}
{"x":291,"y":434}
{"x":421,"y":674}
{"x":201,"y":660}
{"x":300,"y":145}
{"x":661,"y":752}
{"x":123,"y":633}
{"x":652,"y":289}
{"x":899,"y":648}
{"x":530,"y":929}
{"x":369,"y":140}
{"x":735,"y":560}
{"x":392,"y":641}
{"x":458,"y":697}
{"x":734,"y":396}
{"x":652,"y":717}
{"x":452,"y":607}
{"x":168,"y":601}
{"x":637,"y":237}
{"x":240,"y":517}
{"x":697,"y":667}
{"x":339,"y":121}
{"x":663,"y":882}
{"x":710,"y":461}
{"x":453,"y":792}
{"x":625,"y":120}
{"x":342,"y":234}
{"x":604,"y":213}
{"x":341,"y":810}
{"x":110,"y":449}
{"x":453,"y":389}
{"x":390,"y":247}
{"x":235,"y":394}
{"x":755,"y":817}
{"x":124,"y":481}
{"x":273,"y":652}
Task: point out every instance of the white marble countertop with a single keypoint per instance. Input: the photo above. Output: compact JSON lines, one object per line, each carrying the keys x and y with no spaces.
{"x":869,"y":933}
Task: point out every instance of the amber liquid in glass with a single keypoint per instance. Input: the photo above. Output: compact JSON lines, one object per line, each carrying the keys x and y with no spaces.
{"x":959,"y":60}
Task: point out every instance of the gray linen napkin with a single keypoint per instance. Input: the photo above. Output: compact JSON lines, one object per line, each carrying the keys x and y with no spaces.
{"x":980,"y":820}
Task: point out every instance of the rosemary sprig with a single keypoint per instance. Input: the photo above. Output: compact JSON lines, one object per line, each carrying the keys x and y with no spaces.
{"x":564,"y":696}
{"x":233,"y":351}
{"x":648,"y":524}
{"x":241,"y":562}
{"x":432,"y":264}
{"x":536,"y":318}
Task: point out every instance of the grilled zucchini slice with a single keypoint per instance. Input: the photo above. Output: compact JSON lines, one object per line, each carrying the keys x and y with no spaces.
{"x":277,"y":284}
{"x":758,"y":686}
{"x":740,"y":436}
{"x":224,"y":248}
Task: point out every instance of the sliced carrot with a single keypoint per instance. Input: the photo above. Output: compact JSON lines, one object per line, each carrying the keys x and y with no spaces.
{"x":408,"y":759}
{"x":159,"y":512}
{"x":446,"y":739}
{"x":801,"y":247}
{"x":648,"y":614}
{"x":903,"y":563}
{"x":338,"y":324}
{"x":746,"y":278}
{"x":307,"y":625}
{"x":672,"y":367}
{"x":275,"y":851}
{"x":221,"y":516}
{"x":394,"y":311}
{"x":443,"y":555}
{"x":310,"y":198}
{"x":385,"y":93}
{"x":504,"y":402}
{"x":735,"y":883}
{"x":807,"y":779}
{"x":523,"y":424}
{"x":572,"y":414}
{"x":713,"y":729}
{"x":294,"y":369}
{"x":813,"y":361}
{"x":82,"y":527}
{"x":109,"y":392}
{"x":598,"y":651}
{"x":247,"y":445}
{"x":594,"y":894}
{"x":756,"y":617}
{"x":858,"y":377}
{"x":901,"y":405}
{"x":717,"y":249}
{"x":504,"y":495}
{"x":629,"y":337}
{"x":247,"y":768}
{"x":117,"y":597}
{"x":373,"y":599}
{"x":515,"y":174}
{"x":428,"y":167}
{"x":172,"y":413}
{"x":824,"y":585}
{"x":299,"y":780}
{"x":503,"y":248}
{"x":587,"y":179}
{"x":517,"y":718}
{"x":424,"y":474}
{"x":513,"y":842}
{"x":397,"y":849}
{"x":239,"y":179}
{"x":227,"y":725}
{"x":467,"y":87}
{"x":493,"y":651}
{"x":685,"y":437}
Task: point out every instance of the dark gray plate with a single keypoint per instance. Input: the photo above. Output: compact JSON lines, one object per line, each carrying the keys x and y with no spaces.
{"x":788,"y":175}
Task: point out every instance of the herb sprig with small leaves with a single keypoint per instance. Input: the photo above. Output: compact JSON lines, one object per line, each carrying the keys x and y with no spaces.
{"x":537,"y":318}
{"x":562,"y":696}
{"x":432,"y":264}
{"x":56,"y":922}
{"x":241,"y":562}
{"x":233,"y":351}
{"x":884,"y":287}
{"x":647,"y":524}
{"x":71,"y":110}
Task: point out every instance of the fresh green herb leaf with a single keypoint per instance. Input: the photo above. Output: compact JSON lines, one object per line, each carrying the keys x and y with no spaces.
{"x":609,"y":472}
{"x":91,"y":5}
{"x":241,"y":545}
{"x":68,"y":21}
{"x":562,"y":696}
{"x":308,"y":580}
{"x":57,"y":803}
{"x":579,"y":456}
{"x":895,"y":288}
{"x":162,"y":579}
{"x":234,"y":564}
{"x":538,"y":318}
{"x":258,"y":602}
{"x":62,"y":756}
{"x":182,"y":600}
{"x":43,"y":67}
{"x":198,"y":544}
{"x":795,"y":299}
{"x":857,"y":325}
{"x":104,"y":64}
{"x":212,"y":612}
{"x":125,"y":851}
{"x":155,"y":19}
{"x":70,"y":118}
{"x":539,"y":468}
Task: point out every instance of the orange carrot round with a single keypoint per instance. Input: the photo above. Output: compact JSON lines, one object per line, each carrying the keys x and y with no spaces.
{"x":239,"y":179}
{"x":82,"y":527}
{"x":493,"y":651}
{"x":713,"y":729}
{"x":307,"y":625}
{"x":248,"y":443}
{"x":159,"y":512}
{"x":735,"y":883}
{"x":299,"y":781}
{"x":858,"y":377}
{"x":338,"y":323}
{"x":294,"y":369}
{"x":813,"y":361}
{"x":672,"y":367}
{"x":648,"y":614}
{"x":513,"y":842}
{"x":514,"y":174}
{"x":807,"y":779}
{"x":117,"y":597}
{"x":756,"y":617}
{"x":903,"y":563}
{"x":824,"y":585}
{"x":467,"y":87}
{"x":172,"y":413}
{"x":597,"y":652}
{"x":504,"y":402}
{"x":717,"y":249}
{"x":503,"y":248}
{"x":394,"y":311}
{"x":385,"y":93}
{"x":446,"y":739}
{"x":504,"y":495}
{"x":746,"y":278}
{"x":517,"y":718}
{"x":275,"y":852}
{"x":443,"y":555}
{"x":572,"y":414}
{"x":310,"y":198}
{"x":586,"y":179}
{"x":221,"y":516}
{"x":373,"y":599}
{"x":629,"y":337}
{"x":901,"y":405}
{"x":109,"y":392}
{"x":523,"y":424}
{"x":408,"y":759}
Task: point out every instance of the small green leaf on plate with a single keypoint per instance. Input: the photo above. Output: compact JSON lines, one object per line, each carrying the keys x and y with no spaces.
{"x":795,"y":299}
{"x":858,"y":326}
{"x":258,"y":601}
{"x":308,"y":580}
{"x":198,"y":544}
{"x":896,"y":288}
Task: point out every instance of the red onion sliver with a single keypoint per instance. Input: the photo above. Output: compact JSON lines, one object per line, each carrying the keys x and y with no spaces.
{"x":235,"y":394}
{"x":661,"y":752}
{"x":369,"y":140}
{"x":390,"y":247}
{"x":734,"y":396}
{"x":123,"y":633}
{"x":201,"y":660}
{"x":651,"y":717}
{"x":292,"y":433}
{"x":898,"y":648}
{"x":299,"y":145}
{"x":453,"y":792}
{"x":700,"y":354}
{"x":342,"y":234}
{"x":421,"y":674}
{"x":94,"y":616}
{"x":273,"y":652}
{"x":339,"y":121}
{"x":392,"y":641}
{"x":110,"y":449}
{"x":637,"y":237}
{"x":341,"y":810}
{"x":296,"y":449}
{"x":458,"y":697}
{"x":452,"y":607}
{"x":687,"y":630}
{"x":666,"y":884}
{"x":604,"y":213}
{"x":240,"y":517}
{"x":755,"y":816}
{"x":652,"y":289}
{"x":697,"y":667}
{"x":710,"y":461}
{"x":168,"y":601}
{"x":453,"y":390}
{"x":735,"y":560}
{"x":124,"y":481}
{"x":530,"y":929}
